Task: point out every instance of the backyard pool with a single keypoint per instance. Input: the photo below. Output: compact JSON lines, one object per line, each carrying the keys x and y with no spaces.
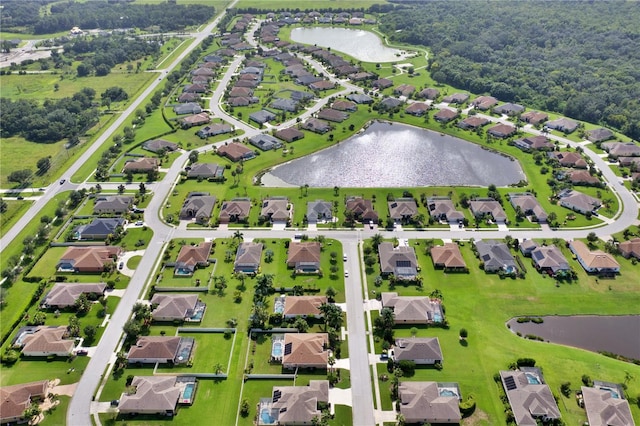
{"x":266,"y":418}
{"x":278,"y":305}
{"x":187,"y":394}
{"x":276,"y":350}
{"x":613,"y":393}
{"x":437,"y":317}
{"x":532,"y":379}
{"x":447,"y":392}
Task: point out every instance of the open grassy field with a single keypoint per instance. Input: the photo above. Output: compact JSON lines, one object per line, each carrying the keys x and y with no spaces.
{"x":15,"y":209}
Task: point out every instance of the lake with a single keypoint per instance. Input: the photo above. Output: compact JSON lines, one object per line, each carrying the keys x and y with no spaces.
{"x":363,"y":45}
{"x":398,"y":155}
{"x":617,"y":334}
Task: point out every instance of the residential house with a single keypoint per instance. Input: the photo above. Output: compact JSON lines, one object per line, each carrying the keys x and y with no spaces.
{"x":595,"y":261}
{"x":606,"y":408}
{"x":160,"y":349}
{"x":319,"y":211}
{"x":333,"y":115}
{"x":509,"y":109}
{"x":305,"y":350}
{"x":442,"y":208}
{"x":428,"y":93}
{"x":262,"y":116}
{"x":382,"y":83}
{"x":413,"y":309}
{"x":152,"y":395}
{"x":550,"y":259}
{"x":456,"y":98}
{"x":630,"y":248}
{"x":296,"y":405}
{"x":621,"y":149}
{"x":569,"y":159}
{"x":402,"y":209}
{"x":583,"y":177}
{"x":316,"y":125}
{"x":421,"y":350}
{"x":360,"y":98}
{"x":88,"y":259}
{"x":265,"y":142}
{"x":195,"y":120}
{"x":445,"y":115}
{"x":417,"y":108}
{"x":284,"y":104}
{"x":16,"y":399}
{"x":473,"y":122}
{"x":241,"y":101}
{"x":534,"y":117}
{"x":210,"y":171}
{"x":526,"y":247}
{"x":563,"y":125}
{"x":236,"y":152}
{"x":483,"y":207}
{"x":322,"y":85}
{"x":65,"y":295}
{"x":203,"y":71}
{"x":99,"y":228}
{"x":198,"y":206}
{"x":188,"y":108}
{"x":191,"y":257}
{"x":141,"y":165}
{"x":306,"y":306}
{"x":388,"y":104}
{"x":236,"y":210}
{"x":484,"y":102}
{"x":404,"y":90}
{"x":529,"y":205}
{"x":307,"y":79}
{"x":398,"y":261}
{"x":301,"y":96}
{"x":501,"y":131}
{"x":529,"y":396}
{"x":290,"y":134}
{"x":531,"y":143}
{"x":214,"y":130}
{"x":276,"y":209}
{"x":304,"y":257}
{"x":448,"y":257}
{"x":496,"y":256}
{"x":361,"y":76}
{"x":600,"y":135}
{"x":579,"y":202}
{"x":248,"y":258}
{"x":195,"y":88}
{"x":633,"y":162}
{"x":112,"y":204}
{"x":361,"y":209}
{"x":157,"y":145}
{"x":188,"y":97}
{"x":177,"y":307}
{"x":45,"y":341}
{"x":428,"y":402}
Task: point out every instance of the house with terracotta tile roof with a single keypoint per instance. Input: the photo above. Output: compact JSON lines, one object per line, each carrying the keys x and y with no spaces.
{"x":429,"y":402}
{"x":382,"y":83}
{"x":448,"y":257}
{"x":417,"y":108}
{"x":333,"y":115}
{"x":421,"y":350}
{"x":473,"y":122}
{"x":484,"y":102}
{"x":342,"y":105}
{"x":141,"y":165}
{"x":501,"y":131}
{"x":305,"y":306}
{"x":276,"y":209}
{"x":161,"y":349}
{"x":361,"y":209}
{"x":445,"y":115}
{"x":248,"y":258}
{"x":428,"y":93}
{"x":595,"y":261}
{"x":14,"y":400}
{"x":583,"y":177}
{"x":236,"y":152}
{"x":88,"y":259}
{"x":195,"y":120}
{"x":413,"y":309}
{"x":534,"y":117}
{"x":304,"y":257}
{"x":532,"y":143}
{"x":64,"y":295}
{"x":45,"y":341}
{"x":305,"y":350}
{"x":569,"y":159}
{"x":404,"y":90}
{"x":191,"y":257}
{"x":630,"y":248}
{"x":290,"y":134}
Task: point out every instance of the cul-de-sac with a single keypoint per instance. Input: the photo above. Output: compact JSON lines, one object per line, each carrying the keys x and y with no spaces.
{"x":339,"y":212}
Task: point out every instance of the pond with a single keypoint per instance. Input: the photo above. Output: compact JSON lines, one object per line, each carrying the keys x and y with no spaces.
{"x":362,"y":45}
{"x":397,"y":155}
{"x":616,"y":334}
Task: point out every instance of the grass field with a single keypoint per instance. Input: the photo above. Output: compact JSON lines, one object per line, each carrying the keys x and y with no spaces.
{"x":15,"y":209}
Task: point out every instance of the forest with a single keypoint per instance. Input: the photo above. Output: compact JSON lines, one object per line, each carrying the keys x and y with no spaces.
{"x":21,"y":16}
{"x":582,"y":62}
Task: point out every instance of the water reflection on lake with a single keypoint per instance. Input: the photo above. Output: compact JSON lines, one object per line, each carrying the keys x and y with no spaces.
{"x":617,"y":334}
{"x":363,"y":45}
{"x":396,"y":155}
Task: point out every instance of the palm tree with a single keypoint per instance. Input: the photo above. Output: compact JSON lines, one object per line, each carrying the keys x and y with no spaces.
{"x":336,"y":191}
{"x":376,"y":240}
{"x":238,"y":235}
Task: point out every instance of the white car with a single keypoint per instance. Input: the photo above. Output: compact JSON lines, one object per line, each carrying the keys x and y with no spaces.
{"x":344,"y":257}
{"x":346,"y":273}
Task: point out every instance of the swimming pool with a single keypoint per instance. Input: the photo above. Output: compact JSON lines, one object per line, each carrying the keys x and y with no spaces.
{"x":276,"y":349}
{"x":437,"y":317}
{"x":510,"y":269}
{"x":613,"y":393}
{"x":265,"y":417}
{"x":187,"y":393}
{"x":447,"y":392}
{"x":278,"y":305}
{"x":532,"y":379}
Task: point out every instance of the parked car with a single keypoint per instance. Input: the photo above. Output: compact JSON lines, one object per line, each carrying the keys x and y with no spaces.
{"x":370,"y":224}
{"x":344,"y":257}
{"x":139,"y":223}
{"x":121,"y":265}
{"x":346,"y":273}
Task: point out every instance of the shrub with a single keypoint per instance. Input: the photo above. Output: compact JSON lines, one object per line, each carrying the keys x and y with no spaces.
{"x":467,"y":407}
{"x":10,"y":356}
{"x":565,"y":388}
{"x":408,"y":367}
{"x":526,"y":362}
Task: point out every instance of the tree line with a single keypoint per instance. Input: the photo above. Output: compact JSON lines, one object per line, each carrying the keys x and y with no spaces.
{"x":18,"y":14}
{"x":579,"y":62}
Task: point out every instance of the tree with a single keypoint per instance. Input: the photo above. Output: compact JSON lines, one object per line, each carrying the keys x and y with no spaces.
{"x":383,"y":325}
{"x":244,"y":408}
{"x":90,"y":332}
{"x":238,"y":235}
{"x":43,"y":165}
{"x":592,"y":237}
{"x":142,"y":189}
{"x":3,"y":206}
{"x":193,"y":157}
{"x":414,"y":331}
{"x":330,"y":293}
{"x":82,"y":304}
{"x":20,"y":176}
{"x":463,"y":333}
{"x":332,"y":315}
{"x":301,"y":324}
{"x":336,"y":191}
{"x":121,"y":189}
{"x":84,"y":70}
{"x":376,"y":240}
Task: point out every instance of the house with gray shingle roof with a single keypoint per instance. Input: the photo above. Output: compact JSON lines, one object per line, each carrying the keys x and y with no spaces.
{"x":265,"y":142}
{"x":360,"y":98}
{"x":600,"y":135}
{"x":248,"y":258}
{"x":501,"y":130}
{"x":198,"y":207}
{"x":156,"y":145}
{"x":209,"y":171}
{"x":296,"y":405}
{"x":579,"y":202}
{"x":284,"y":104}
{"x":413,"y":309}
{"x":496,"y":256}
{"x":530,"y":398}
{"x":319,"y":210}
{"x":236,"y":210}
{"x":262,"y":116}
{"x":316,"y":125}
{"x":399,"y":261}
{"x":428,"y":402}
{"x":550,"y":259}
{"x":276,"y":209}
{"x":456,"y":98}
{"x":214,"y":130}
{"x":98,"y":229}
{"x":429,"y":93}
{"x":483,"y":207}
{"x":442,"y":208}
{"x":421,"y":350}
{"x":152,"y":395}
{"x":564,"y":125}
{"x":509,"y":109}
{"x":402,"y":209}
{"x":484,"y":102}
{"x":529,"y":205}
{"x":606,"y":408}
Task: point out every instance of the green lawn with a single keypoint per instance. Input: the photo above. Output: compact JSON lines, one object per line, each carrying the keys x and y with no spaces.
{"x":136,"y":238}
{"x":15,"y":210}
{"x":31,"y":369}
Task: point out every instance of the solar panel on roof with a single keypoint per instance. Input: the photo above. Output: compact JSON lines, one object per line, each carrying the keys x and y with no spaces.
{"x":287,"y":348}
{"x":282,"y":410}
{"x":510,"y":383}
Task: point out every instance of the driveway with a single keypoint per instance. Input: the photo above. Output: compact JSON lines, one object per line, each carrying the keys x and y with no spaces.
{"x":125,"y":258}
